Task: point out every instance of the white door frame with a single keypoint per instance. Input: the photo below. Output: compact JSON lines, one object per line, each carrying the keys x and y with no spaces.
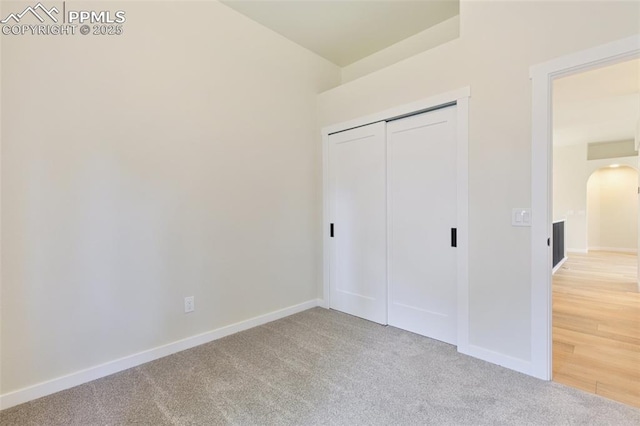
{"x":542,"y":76}
{"x":460,"y":98}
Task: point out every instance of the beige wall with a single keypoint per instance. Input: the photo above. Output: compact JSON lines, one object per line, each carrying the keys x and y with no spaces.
{"x":612,"y":203}
{"x":181,"y":158}
{"x":603,"y":150}
{"x":570,"y":194}
{"x":571,"y":172}
{"x":498,"y":44}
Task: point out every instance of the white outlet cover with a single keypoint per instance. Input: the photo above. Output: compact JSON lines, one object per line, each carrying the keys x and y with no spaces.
{"x":189,"y":304}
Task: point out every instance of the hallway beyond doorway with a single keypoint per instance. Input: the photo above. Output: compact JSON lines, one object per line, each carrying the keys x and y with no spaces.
{"x":596,"y":325}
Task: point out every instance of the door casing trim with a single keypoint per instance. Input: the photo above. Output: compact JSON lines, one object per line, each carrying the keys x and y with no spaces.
{"x":542,"y":76}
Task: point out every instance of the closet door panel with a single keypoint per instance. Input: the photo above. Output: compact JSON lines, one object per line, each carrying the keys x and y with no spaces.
{"x":422,"y":211}
{"x":357,"y":187}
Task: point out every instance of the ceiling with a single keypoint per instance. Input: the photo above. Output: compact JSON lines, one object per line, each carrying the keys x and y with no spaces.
{"x":345,"y":31}
{"x":597,"y":106}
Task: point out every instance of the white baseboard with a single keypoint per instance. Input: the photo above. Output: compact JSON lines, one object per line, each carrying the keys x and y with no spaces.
{"x":559,"y":265}
{"x":74,"y":379}
{"x":614,"y":249}
{"x":574,"y":250}
{"x":516,"y":364}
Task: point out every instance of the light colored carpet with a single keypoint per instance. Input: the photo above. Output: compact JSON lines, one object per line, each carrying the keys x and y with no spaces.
{"x":320,"y":367}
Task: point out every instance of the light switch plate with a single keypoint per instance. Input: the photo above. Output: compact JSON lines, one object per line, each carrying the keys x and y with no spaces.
{"x":521,"y":217}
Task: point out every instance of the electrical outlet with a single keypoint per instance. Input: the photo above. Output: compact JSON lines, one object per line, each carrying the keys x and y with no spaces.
{"x":189,"y":304}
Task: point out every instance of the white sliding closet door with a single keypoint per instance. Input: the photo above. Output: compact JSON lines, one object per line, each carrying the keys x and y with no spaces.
{"x":357,"y":188}
{"x":422,"y":212}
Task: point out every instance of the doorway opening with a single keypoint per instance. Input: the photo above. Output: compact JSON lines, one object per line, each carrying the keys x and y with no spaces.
{"x":542,"y":76}
{"x":595,"y":294}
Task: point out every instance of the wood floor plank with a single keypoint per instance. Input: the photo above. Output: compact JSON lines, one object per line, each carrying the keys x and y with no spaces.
{"x":627,"y":395}
{"x":575,"y":382}
{"x":578,"y":338}
{"x":564,"y":347}
{"x":620,"y":355}
{"x":596,"y":325}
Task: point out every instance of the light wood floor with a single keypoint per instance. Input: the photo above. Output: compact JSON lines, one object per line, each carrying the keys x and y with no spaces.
{"x":596,"y":325}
